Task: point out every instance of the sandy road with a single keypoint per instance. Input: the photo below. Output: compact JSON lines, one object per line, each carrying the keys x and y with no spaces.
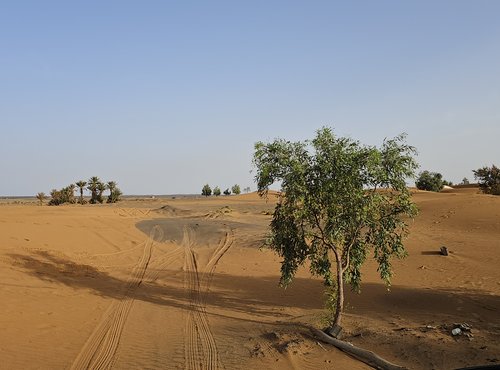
{"x":200,"y":348}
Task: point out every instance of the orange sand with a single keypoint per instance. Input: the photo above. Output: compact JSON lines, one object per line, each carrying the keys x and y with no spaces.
{"x":182,"y":283}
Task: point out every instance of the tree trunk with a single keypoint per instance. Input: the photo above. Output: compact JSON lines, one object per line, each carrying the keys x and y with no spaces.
{"x":340,"y":295}
{"x":335,"y":328}
{"x":367,"y":357}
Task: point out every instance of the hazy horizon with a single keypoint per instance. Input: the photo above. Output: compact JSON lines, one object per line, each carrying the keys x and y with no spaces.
{"x":165,"y":97}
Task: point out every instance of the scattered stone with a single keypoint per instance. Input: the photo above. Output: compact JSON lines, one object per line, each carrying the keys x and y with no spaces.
{"x":462,"y":328}
{"x":444,"y":251}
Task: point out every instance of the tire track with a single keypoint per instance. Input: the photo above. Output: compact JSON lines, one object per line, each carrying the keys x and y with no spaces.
{"x":200,"y":349}
{"x":99,"y":350}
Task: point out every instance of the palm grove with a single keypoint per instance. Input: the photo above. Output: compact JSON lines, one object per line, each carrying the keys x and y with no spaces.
{"x":94,"y":185}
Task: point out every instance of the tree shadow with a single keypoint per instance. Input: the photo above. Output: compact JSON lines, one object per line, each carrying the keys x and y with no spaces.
{"x":427,"y":304}
{"x":261,"y":296}
{"x":258,"y":296}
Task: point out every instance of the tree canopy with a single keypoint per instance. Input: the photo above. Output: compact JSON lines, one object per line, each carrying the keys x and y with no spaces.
{"x":236,"y":189}
{"x":338,"y":200}
{"x":206,"y":190}
{"x":489,"y":179}
{"x":430,"y":181}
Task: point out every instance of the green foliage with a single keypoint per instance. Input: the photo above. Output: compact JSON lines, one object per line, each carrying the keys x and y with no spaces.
{"x":114,"y":192}
{"x":65,"y":195}
{"x":338,"y":200}
{"x":101,"y":188}
{"x":227,"y":192}
{"x":93,"y":185}
{"x":216,"y":191}
{"x":81,"y":185}
{"x":236,"y":189}
{"x":41,"y":197}
{"x":489,"y":179}
{"x":430,"y":181}
{"x":206,"y":190}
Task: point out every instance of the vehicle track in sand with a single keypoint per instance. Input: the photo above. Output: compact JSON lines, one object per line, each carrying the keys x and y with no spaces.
{"x":200,"y":347}
{"x":100,"y":349}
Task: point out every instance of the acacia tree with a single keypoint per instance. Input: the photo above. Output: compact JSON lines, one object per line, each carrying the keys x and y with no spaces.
{"x":489,"y":179}
{"x":338,"y":200}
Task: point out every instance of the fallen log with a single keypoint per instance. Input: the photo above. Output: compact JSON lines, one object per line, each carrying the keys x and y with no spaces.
{"x":368,"y":357}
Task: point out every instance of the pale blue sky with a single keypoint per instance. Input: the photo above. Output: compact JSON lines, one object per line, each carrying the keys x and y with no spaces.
{"x":166,"y":96}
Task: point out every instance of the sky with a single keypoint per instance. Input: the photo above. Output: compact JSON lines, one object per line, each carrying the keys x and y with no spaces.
{"x":165,"y":96}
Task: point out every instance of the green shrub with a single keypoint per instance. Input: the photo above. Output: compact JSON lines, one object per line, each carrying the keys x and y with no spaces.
{"x":216,"y":191}
{"x":430,"y":181}
{"x":489,"y":179}
{"x":236,"y":189}
{"x":206,"y":190}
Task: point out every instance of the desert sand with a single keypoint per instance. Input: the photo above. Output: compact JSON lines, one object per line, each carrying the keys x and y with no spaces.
{"x":182,"y":284}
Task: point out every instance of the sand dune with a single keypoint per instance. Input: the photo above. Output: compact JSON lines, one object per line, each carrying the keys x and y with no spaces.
{"x":182,"y":283}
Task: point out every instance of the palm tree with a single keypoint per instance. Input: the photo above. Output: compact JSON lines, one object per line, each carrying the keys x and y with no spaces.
{"x":81,"y":184}
{"x":41,"y":197}
{"x":112,"y":188}
{"x":93,"y":183}
{"x":70,"y":190}
{"x":101,"y":188}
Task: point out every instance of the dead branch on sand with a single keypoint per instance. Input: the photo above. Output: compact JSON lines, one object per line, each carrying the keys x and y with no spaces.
{"x":361,"y":354}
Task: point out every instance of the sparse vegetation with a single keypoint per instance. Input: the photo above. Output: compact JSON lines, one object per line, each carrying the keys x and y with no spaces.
{"x":41,"y":197}
{"x":247,"y":189}
{"x":339,"y":199}
{"x":94,"y":185}
{"x":489,"y":179}
{"x":206,"y":190}
{"x":430,"y":181}
{"x":465,"y":181}
{"x":236,"y":189}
